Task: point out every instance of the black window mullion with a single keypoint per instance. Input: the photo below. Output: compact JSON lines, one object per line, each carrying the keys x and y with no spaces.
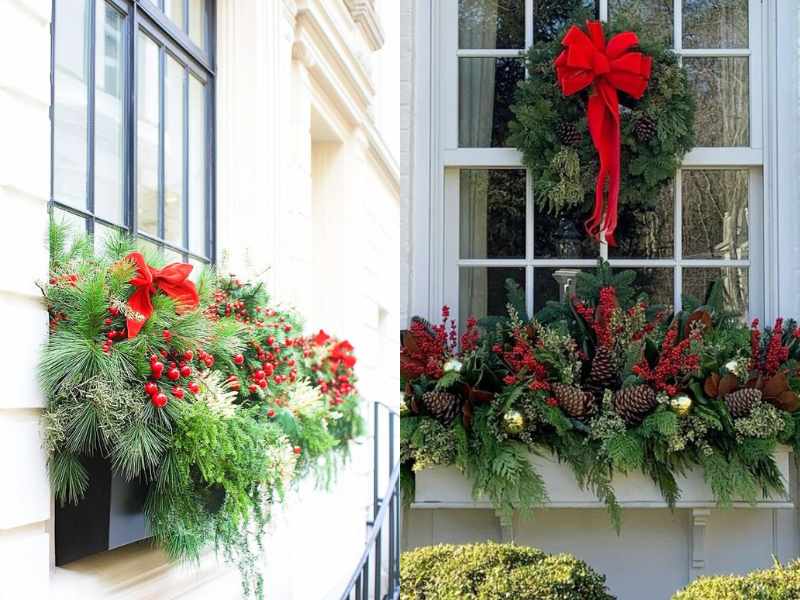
{"x":162,"y":72}
{"x":185,"y":149}
{"x":91,"y":30}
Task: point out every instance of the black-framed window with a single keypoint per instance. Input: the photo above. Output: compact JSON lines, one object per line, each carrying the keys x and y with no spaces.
{"x":132,"y":121}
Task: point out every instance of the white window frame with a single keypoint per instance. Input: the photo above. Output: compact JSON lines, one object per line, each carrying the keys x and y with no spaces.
{"x":438,"y":159}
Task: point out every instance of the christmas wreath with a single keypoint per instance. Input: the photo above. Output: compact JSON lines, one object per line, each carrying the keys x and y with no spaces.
{"x":209,"y":393}
{"x":608,"y":384}
{"x":602,"y":123}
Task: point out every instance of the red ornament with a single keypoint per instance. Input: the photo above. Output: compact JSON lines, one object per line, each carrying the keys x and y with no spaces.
{"x":193,"y":387}
{"x":186,"y":371}
{"x":173,"y":374}
{"x":156,"y":369}
{"x":150,"y":388}
{"x":238,"y":359}
{"x":589,"y":61}
{"x":297,"y":449}
{"x":159,"y":400}
{"x":177,"y":392}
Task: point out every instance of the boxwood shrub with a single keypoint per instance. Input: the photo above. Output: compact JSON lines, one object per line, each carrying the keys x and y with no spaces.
{"x":496,"y":571}
{"x":779,"y":583}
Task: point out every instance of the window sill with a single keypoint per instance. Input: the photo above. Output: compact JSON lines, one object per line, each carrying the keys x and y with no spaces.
{"x":446,"y":487}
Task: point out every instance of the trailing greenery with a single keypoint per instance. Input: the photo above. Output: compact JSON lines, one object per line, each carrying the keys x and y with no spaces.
{"x":609,"y":386}
{"x":565,"y":174}
{"x":782,"y":582}
{"x":493,"y":571}
{"x":218,"y":407}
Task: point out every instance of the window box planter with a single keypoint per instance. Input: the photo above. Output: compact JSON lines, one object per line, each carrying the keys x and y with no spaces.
{"x":446,"y":487}
{"x":110,"y":515}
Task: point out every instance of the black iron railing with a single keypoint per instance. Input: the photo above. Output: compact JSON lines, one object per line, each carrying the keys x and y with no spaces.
{"x":372,"y":572}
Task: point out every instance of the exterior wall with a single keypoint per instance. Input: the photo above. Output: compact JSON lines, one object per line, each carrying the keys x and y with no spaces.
{"x":307,"y":198}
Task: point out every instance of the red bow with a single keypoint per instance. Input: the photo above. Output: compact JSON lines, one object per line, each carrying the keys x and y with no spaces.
{"x":588,"y":60}
{"x":172,"y":280}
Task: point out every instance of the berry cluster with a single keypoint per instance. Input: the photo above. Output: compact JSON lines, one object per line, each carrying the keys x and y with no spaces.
{"x":427,"y":347}
{"x":178,"y":366}
{"x":677,"y":362}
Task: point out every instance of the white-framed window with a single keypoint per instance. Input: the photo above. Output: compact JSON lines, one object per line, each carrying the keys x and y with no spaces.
{"x":484,"y":226}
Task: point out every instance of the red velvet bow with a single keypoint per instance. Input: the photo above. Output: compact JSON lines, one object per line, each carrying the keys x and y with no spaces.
{"x":588,"y":60}
{"x":172,"y":280}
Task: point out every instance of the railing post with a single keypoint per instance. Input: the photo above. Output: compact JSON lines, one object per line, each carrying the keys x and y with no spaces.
{"x":375,"y":458}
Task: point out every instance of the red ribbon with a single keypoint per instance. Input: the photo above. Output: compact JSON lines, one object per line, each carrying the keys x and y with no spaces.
{"x":172,"y":280}
{"x":588,"y":60}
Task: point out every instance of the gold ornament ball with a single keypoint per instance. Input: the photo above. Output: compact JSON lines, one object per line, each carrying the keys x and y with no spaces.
{"x":513,"y":422}
{"x":681,"y":405}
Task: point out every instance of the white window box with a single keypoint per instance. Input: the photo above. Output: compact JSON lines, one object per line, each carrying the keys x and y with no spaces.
{"x":446,"y":487}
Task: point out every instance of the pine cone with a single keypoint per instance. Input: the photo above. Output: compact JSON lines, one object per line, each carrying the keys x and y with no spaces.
{"x":644,"y":129}
{"x":634,"y":403}
{"x":602,"y":375}
{"x":568,"y":134}
{"x":443,"y":406}
{"x":573,"y":400}
{"x":741,"y":402}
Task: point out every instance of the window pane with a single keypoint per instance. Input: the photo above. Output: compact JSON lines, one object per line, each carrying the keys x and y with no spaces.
{"x":147,"y":135}
{"x":173,"y":152}
{"x":550,"y":17}
{"x":198,"y":269}
{"x":656,"y":16}
{"x":174,"y":10}
{"x":102,"y":234}
{"x":70,"y":148}
{"x":76,"y":226}
{"x":715,"y":214}
{"x":109,"y":115}
{"x":721,"y":88}
{"x":486,"y":92}
{"x":492,"y":207}
{"x":170,"y":256}
{"x":482,"y":290}
{"x":558,"y":284}
{"x":647,"y":233}
{"x":562,"y":235}
{"x":197,"y":167}
{"x":735,"y":285}
{"x":197,"y":22}
{"x":715,"y":24}
{"x":491,"y":24}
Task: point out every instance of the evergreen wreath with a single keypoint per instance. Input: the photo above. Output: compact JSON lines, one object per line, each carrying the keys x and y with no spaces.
{"x":217,"y":406}
{"x":551,"y":130}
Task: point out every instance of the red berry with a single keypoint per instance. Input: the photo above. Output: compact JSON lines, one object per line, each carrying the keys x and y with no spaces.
{"x":107,"y":321}
{"x":153,"y":358}
{"x":270,"y":413}
{"x":270,"y":341}
{"x":164,"y":353}
{"x":167,"y":334}
{"x":209,"y":361}
{"x":262,"y":383}
{"x":159,"y":400}
{"x":297,"y":449}
{"x":188,"y":355}
{"x":113,"y":310}
{"x":173,"y":374}
{"x":186,"y":371}
{"x":268,"y":369}
{"x":177,"y":392}
{"x":157,"y":368}
{"x":238,"y":359}
{"x":252,"y":388}
{"x":106,"y":348}
{"x":150,"y":388}
{"x":193,"y":387}
{"x":259,"y":374}
{"x":552,"y":401}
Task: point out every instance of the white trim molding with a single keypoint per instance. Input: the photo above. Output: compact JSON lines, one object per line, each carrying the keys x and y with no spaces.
{"x":364,"y":15}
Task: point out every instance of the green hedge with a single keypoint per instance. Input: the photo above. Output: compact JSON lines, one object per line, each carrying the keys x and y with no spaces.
{"x":496,"y":571}
{"x":778,"y":583}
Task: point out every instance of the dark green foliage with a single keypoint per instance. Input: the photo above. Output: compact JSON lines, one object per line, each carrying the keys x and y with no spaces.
{"x":540,"y":109}
{"x":496,"y":571}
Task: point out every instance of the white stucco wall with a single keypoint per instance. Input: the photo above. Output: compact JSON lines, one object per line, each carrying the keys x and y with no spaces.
{"x":308,"y":199}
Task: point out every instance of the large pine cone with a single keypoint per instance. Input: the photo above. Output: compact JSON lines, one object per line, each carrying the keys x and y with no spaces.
{"x":443,"y":406}
{"x":602,"y":374}
{"x":573,"y":400}
{"x":741,"y":402}
{"x":644,"y":129}
{"x":568,"y":134}
{"x":634,"y":403}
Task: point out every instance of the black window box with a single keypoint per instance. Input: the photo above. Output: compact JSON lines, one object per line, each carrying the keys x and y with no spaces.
{"x":110,"y":515}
